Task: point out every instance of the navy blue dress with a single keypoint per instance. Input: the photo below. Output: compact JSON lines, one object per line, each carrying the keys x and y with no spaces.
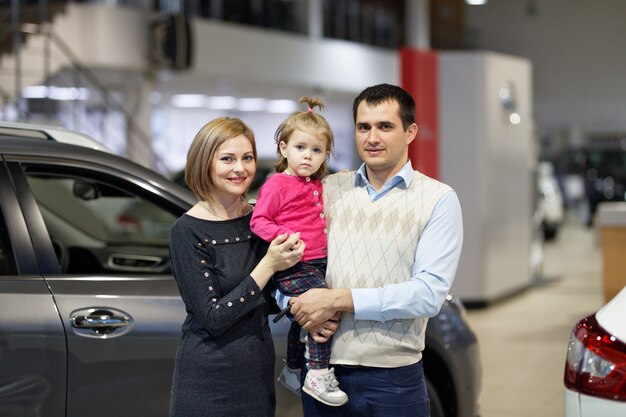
{"x":225,"y":359}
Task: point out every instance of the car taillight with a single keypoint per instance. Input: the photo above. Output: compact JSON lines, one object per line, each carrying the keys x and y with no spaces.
{"x":596,"y":362}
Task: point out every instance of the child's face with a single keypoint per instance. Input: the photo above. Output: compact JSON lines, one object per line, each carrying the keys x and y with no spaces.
{"x":305,"y":153}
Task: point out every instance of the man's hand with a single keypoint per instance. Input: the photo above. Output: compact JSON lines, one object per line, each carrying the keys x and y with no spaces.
{"x":318,"y":305}
{"x":323,"y":333}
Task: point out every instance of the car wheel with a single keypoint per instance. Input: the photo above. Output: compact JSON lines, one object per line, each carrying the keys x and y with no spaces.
{"x":436,"y":408}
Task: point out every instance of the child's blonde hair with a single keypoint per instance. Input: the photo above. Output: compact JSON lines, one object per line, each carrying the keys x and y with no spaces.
{"x":310,"y":122}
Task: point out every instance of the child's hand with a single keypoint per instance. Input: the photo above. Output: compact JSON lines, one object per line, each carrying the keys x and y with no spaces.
{"x":281,"y":254}
{"x":296,"y":246}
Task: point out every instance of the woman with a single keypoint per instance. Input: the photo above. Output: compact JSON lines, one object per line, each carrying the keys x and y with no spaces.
{"x":225,"y":359}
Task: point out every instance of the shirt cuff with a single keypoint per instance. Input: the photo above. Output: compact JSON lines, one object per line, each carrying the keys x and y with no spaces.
{"x":282,"y":300}
{"x":367,"y":303}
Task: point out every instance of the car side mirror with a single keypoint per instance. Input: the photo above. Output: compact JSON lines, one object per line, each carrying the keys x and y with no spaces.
{"x":86,"y":190}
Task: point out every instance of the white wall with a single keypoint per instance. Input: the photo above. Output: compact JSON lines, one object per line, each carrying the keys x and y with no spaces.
{"x":117,"y":38}
{"x":109,"y":37}
{"x":578,"y":54}
{"x":292,"y":59}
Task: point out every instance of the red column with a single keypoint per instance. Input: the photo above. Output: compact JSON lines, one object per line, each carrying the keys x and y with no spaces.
{"x":418,"y":76}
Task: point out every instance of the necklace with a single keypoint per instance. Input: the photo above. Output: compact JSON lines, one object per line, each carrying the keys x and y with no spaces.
{"x":208,"y":208}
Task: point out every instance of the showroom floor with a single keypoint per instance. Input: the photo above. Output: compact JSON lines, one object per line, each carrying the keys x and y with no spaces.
{"x":523,"y":339}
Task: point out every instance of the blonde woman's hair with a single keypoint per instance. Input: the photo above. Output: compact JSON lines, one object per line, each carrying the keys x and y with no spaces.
{"x":202,"y":151}
{"x":307,"y":121}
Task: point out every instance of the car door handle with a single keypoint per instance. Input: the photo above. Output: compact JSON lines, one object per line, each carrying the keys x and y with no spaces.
{"x":100,"y":322}
{"x":136,"y":263}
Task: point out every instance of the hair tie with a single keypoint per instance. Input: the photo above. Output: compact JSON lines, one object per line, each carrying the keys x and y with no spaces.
{"x":310,"y":110}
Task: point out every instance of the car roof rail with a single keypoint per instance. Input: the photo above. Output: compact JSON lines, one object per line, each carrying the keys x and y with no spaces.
{"x":53,"y":133}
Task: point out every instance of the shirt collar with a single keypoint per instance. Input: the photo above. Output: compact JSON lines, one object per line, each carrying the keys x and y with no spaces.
{"x":404,"y":175}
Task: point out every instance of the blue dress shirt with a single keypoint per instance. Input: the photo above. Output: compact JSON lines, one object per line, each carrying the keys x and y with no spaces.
{"x":436,"y":259}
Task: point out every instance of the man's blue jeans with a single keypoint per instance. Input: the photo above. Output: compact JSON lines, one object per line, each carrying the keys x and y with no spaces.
{"x":375,"y":392}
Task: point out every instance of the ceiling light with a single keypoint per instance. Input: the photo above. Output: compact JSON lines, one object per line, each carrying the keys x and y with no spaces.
{"x":251,"y":104}
{"x":221,"y":103}
{"x":56,"y":93}
{"x":187,"y":100}
{"x":281,"y":106}
{"x":35,"y":91}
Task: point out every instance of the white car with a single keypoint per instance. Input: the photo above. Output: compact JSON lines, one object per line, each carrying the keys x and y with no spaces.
{"x":595,"y":367}
{"x":550,"y":201}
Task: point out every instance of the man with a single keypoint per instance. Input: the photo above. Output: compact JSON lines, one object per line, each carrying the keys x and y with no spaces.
{"x":394,"y":243}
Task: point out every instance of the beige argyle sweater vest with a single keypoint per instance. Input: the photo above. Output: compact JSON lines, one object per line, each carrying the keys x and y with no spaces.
{"x":372,"y":244}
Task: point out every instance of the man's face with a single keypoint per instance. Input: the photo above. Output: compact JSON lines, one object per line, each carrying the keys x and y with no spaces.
{"x":380,"y":138}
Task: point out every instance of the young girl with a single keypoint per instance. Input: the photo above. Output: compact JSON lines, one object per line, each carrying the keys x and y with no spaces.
{"x":291,"y":201}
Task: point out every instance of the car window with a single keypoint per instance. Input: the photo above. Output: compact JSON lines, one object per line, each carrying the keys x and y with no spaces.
{"x":7,"y":262}
{"x":99,"y":227}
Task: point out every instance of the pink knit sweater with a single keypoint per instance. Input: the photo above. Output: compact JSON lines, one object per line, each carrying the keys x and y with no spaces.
{"x":289,"y":204}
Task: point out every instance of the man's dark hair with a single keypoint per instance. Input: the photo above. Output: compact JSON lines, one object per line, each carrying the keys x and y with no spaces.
{"x":380,"y":93}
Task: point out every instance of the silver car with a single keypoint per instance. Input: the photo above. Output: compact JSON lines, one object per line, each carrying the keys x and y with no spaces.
{"x":90,"y":316}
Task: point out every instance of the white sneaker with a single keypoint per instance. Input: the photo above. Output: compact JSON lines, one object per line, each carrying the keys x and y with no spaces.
{"x":291,"y":380}
{"x":325,"y":388}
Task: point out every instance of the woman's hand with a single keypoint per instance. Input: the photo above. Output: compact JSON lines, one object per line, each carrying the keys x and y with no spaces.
{"x":285,"y":251}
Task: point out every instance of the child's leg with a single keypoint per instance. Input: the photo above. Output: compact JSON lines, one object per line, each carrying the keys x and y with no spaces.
{"x":319,"y":354}
{"x":320,"y":381}
{"x":295,"y":348}
{"x":295,"y":281}
{"x":290,"y":375}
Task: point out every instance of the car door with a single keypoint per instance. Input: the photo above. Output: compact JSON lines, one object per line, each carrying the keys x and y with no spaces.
{"x":107,"y":234}
{"x":32,"y":339}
